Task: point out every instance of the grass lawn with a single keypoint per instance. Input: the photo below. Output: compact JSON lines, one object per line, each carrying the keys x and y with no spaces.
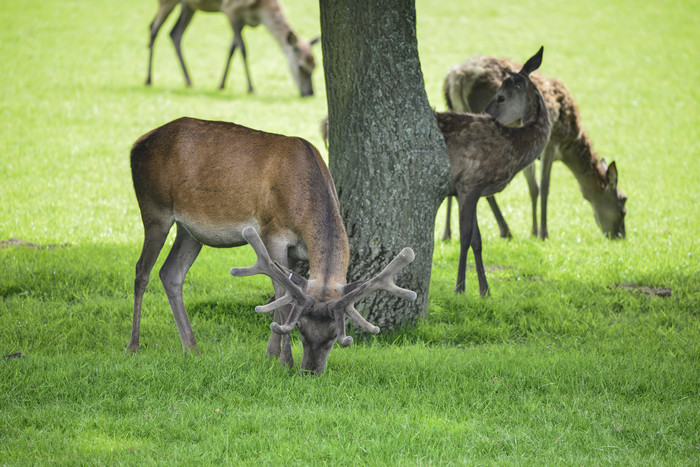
{"x":561,"y":365}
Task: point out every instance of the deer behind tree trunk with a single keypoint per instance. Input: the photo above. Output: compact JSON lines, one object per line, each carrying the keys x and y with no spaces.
{"x":469,"y":87}
{"x":485,"y":155}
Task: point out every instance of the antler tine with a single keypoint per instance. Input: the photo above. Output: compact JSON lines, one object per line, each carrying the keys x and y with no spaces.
{"x":286,"y":299}
{"x":382,"y":281}
{"x":343,"y":339}
{"x":265,"y":265}
{"x":357,"y":317}
{"x":287,"y":327}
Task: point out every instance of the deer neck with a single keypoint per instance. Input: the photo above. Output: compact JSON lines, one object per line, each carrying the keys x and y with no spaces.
{"x":276,"y":23}
{"x":329,"y":253}
{"x":533,"y":135}
{"x":324,"y":234}
{"x":579,"y":157}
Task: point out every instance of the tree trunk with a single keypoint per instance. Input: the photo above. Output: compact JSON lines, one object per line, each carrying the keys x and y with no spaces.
{"x":387,"y":155}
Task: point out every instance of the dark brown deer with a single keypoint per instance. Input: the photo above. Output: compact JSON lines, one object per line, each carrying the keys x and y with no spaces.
{"x":225,"y":185}
{"x":485,"y":155}
{"x":469,"y":87}
{"x":240,"y":13}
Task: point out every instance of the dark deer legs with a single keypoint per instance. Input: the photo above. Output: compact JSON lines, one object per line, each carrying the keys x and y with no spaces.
{"x":470,"y":236}
{"x":154,"y":238}
{"x":237,"y":43}
{"x":186,"y":14}
{"x":172,"y":275}
{"x":183,"y":253}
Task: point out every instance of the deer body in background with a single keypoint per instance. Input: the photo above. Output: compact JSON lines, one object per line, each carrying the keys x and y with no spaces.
{"x":240,"y":13}
{"x":469,"y":87}
{"x":225,"y":185}
{"x":485,"y":155}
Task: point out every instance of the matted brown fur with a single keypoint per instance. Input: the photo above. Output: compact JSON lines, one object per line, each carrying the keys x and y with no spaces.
{"x":485,"y":154}
{"x":469,"y":86}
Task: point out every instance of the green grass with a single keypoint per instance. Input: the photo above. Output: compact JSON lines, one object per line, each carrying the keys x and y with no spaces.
{"x":559,"y":366}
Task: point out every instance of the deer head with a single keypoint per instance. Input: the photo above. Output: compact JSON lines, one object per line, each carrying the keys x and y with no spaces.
{"x":320,"y":319}
{"x":609,"y":206}
{"x":301,"y":62}
{"x":514,"y":99}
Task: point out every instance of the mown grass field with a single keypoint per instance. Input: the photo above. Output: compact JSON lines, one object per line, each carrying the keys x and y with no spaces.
{"x":559,"y":366}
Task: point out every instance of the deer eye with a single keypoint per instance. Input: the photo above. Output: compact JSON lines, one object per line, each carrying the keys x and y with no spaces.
{"x":501,"y":99}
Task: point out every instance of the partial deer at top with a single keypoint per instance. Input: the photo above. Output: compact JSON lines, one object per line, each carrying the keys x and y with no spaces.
{"x":485,"y":154}
{"x":240,"y":13}
{"x":469,"y":87}
{"x":225,"y":185}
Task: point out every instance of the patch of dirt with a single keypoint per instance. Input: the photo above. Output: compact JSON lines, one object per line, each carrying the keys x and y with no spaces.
{"x":15,"y":355}
{"x":663,"y":292}
{"x":36,"y":246}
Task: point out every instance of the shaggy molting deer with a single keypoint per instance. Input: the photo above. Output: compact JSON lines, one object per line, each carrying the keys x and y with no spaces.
{"x":221,"y":184}
{"x":469,"y":87}
{"x":240,"y":13}
{"x":485,"y":155}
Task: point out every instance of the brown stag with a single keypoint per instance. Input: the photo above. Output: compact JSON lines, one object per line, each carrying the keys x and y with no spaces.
{"x":225,"y":185}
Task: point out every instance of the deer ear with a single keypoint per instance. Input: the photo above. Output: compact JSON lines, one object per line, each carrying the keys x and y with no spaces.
{"x":533,"y":63}
{"x":611,"y":175}
{"x":518,"y":80}
{"x":292,"y":39}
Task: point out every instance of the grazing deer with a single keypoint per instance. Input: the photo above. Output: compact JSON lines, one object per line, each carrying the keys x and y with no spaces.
{"x":469,"y":87}
{"x":240,"y":13}
{"x":225,"y":185}
{"x":485,"y":154}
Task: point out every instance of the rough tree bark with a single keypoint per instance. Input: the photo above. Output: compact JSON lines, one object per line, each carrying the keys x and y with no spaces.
{"x":386,"y":153}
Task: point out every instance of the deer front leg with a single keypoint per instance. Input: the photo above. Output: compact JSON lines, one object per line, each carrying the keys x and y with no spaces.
{"x":244,"y":54}
{"x":447,"y":233}
{"x":531,"y":177}
{"x":547,"y":161}
{"x":502,"y":224}
{"x":279,"y":345}
{"x":237,"y":27}
{"x":183,"y":253}
{"x":476,"y":248}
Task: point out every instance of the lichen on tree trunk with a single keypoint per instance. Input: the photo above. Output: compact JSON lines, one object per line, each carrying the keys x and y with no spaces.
{"x":386,"y":153}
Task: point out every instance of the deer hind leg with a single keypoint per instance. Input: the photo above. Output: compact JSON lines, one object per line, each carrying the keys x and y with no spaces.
{"x":164,"y":9}
{"x":172,"y":275}
{"x":154,"y":238}
{"x":447,"y":233}
{"x":502,"y":224}
{"x":467,"y":213}
{"x":531,"y":177}
{"x":186,"y":14}
{"x":547,"y":161}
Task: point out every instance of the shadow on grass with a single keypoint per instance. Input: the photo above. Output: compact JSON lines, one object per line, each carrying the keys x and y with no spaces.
{"x":65,"y":296}
{"x":211,"y":94}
